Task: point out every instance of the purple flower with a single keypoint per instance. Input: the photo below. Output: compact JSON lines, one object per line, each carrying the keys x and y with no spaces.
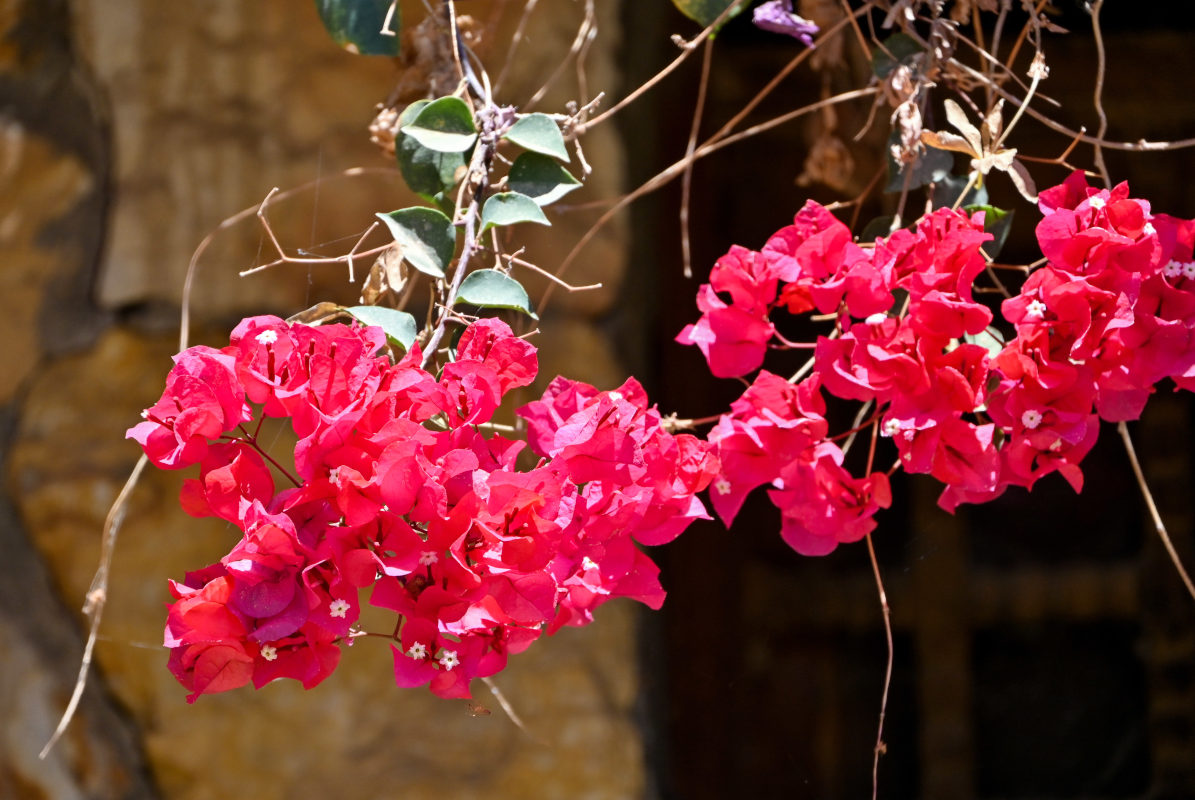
{"x":777,"y":16}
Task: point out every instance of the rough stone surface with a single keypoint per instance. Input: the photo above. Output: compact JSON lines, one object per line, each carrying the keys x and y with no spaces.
{"x":209,"y":109}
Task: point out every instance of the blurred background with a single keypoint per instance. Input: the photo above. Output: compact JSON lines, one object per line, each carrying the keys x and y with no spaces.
{"x":1044,"y":646}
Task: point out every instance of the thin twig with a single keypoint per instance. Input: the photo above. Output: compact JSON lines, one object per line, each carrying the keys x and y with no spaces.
{"x":568,"y":287}
{"x":666,"y":175}
{"x":515,"y":41}
{"x":1100,"y":68}
{"x":880,"y":747}
{"x":687,"y":177}
{"x":1159,"y":526}
{"x":97,"y":596}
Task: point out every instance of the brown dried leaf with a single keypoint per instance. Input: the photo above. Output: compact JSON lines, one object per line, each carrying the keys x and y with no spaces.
{"x":318,"y":313}
{"x":943,"y":140}
{"x":1023,"y":181}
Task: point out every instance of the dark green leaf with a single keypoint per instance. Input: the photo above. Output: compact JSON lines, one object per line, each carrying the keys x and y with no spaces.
{"x":399,"y":326}
{"x":997,"y":222}
{"x":489,"y":288}
{"x":509,"y":208}
{"x":878,"y":228}
{"x":356,"y":25}
{"x":538,"y":133}
{"x":947,"y":190}
{"x":426,"y":236}
{"x":444,"y":125}
{"x":931,"y":166}
{"x":901,"y":49}
{"x":540,"y":178}
{"x":427,"y":172}
{"x":704,"y":12}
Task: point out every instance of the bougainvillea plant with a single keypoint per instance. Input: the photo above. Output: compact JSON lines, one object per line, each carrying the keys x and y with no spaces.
{"x":404,"y":493}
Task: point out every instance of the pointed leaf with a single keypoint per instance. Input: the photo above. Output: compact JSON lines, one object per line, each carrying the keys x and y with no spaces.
{"x":540,"y":134}
{"x":490,"y":288}
{"x":316,"y":314}
{"x":931,"y":166}
{"x":509,"y":208}
{"x":898,"y":48}
{"x":947,"y":191}
{"x":426,"y":236}
{"x":997,"y":222}
{"x":399,"y":326}
{"x":540,"y":178}
{"x":703,"y":12}
{"x":356,"y":25}
{"x":444,"y":125}
{"x":427,"y":172}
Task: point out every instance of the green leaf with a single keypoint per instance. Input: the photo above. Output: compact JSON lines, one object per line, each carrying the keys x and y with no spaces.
{"x":997,"y":222}
{"x":540,"y":134}
{"x":356,"y":25}
{"x":879,"y":228}
{"x":444,"y":125}
{"x":540,"y":178}
{"x":399,"y":326}
{"x":703,"y":12}
{"x":509,"y":208}
{"x":489,"y":288}
{"x":988,"y":338}
{"x":947,"y":191}
{"x":931,"y":166}
{"x":427,"y":238}
{"x":901,"y":49}
{"x":427,"y":172}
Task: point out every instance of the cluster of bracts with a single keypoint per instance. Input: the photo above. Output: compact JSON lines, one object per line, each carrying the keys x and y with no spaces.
{"x":400,"y":485}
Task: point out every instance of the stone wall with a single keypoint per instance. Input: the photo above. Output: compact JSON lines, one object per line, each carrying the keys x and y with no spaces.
{"x":129,"y":129}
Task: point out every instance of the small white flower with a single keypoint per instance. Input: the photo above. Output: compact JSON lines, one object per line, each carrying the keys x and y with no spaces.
{"x":267,"y":337}
{"x":615,"y":395}
{"x":722,"y":486}
{"x":417,"y":651}
{"x":338,"y":608}
{"x":428,"y":557}
{"x":1031,"y":419}
{"x":890,"y":428}
{"x":876,"y":319}
{"x":1036,"y":310}
{"x":588,"y":563}
{"x":1189,"y":269}
{"x":1172,"y":269}
{"x":269,"y":652}
{"x":1096,"y":202}
{"x":448,"y":659}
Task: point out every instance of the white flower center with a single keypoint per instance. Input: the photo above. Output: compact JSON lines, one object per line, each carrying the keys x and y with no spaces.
{"x":1189,"y":269}
{"x":890,"y":428}
{"x":417,"y":651}
{"x":428,"y":557}
{"x":266,"y":337}
{"x":269,"y":652}
{"x":1031,"y":419}
{"x":1036,"y":310}
{"x":722,"y":486}
{"x":1173,"y":269}
{"x":588,"y":563}
{"x":1096,"y":202}
{"x":448,"y":659}
{"x":338,"y":608}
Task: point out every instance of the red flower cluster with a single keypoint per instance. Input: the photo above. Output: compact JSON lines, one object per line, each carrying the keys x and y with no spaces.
{"x":398,"y":489}
{"x":1110,"y":314}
